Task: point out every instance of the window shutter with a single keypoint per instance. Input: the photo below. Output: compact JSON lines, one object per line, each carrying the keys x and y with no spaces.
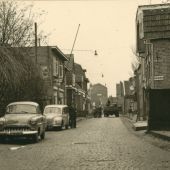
{"x":54,"y":67}
{"x":60,"y":71}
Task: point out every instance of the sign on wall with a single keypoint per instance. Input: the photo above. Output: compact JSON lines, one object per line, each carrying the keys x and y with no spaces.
{"x":158,"y":77}
{"x":44,"y":70}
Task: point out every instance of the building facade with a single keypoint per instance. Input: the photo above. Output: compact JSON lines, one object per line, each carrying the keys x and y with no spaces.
{"x":76,"y":86}
{"x":51,"y":61}
{"x":153,"y":47}
{"x":98,"y":95}
{"x":120,"y":96}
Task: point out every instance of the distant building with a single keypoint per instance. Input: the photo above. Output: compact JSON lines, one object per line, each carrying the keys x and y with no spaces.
{"x":130,"y":101}
{"x":98,"y":95}
{"x":76,"y":86}
{"x":120,"y":95}
{"x":113,"y":100}
{"x":82,"y":103}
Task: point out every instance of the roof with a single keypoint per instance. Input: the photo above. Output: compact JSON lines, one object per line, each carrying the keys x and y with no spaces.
{"x":23,"y":102}
{"x":79,"y":69}
{"x":98,"y":84}
{"x":70,"y":61}
{"x":59,"y":53}
{"x":153,"y":21}
{"x":56,"y":105}
{"x":79,"y":72}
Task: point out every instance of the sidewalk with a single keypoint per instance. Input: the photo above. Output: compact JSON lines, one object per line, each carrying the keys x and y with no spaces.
{"x":142,"y":125}
{"x":139,"y":125}
{"x":80,"y":118}
{"x":161,"y":134}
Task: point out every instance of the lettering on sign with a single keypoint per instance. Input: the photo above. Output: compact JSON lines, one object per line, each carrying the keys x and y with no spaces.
{"x":158,"y":77}
{"x":99,"y":94}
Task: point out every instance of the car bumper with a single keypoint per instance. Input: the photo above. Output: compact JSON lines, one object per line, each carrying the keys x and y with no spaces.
{"x":17,"y":133}
{"x":54,"y":125}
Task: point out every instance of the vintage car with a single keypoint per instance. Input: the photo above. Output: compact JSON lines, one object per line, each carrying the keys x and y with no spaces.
{"x":57,"y":116}
{"x":23,"y":119}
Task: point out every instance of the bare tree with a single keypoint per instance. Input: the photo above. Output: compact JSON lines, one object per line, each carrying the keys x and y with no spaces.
{"x":16,"y":24}
{"x":21,"y":78}
{"x":135,"y":60}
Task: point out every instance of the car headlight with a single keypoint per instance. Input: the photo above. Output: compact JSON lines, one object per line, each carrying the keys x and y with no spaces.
{"x":33,"y":121}
{"x":2,"y":121}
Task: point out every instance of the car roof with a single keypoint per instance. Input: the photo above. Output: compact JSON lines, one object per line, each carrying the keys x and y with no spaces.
{"x":23,"y":102}
{"x":56,"y":105}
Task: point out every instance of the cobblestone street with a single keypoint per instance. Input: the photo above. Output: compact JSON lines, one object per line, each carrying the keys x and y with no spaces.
{"x":97,"y":143}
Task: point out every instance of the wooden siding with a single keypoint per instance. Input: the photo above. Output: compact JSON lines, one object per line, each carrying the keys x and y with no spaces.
{"x":156,"y":23}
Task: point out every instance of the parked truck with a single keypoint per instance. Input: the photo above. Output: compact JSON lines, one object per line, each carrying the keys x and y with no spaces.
{"x":111,"y":110}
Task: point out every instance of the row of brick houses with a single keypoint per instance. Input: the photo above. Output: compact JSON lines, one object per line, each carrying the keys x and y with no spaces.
{"x":65,"y":80}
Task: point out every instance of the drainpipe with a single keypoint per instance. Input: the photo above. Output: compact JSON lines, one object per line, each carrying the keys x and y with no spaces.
{"x":152,"y":62}
{"x":153,"y":84}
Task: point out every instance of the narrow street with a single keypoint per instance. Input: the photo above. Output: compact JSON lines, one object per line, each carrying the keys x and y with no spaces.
{"x":97,"y":143}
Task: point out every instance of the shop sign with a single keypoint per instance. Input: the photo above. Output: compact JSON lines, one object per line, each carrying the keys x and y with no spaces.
{"x":158,"y":77}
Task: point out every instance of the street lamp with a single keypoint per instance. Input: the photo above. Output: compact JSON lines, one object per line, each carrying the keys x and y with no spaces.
{"x":95,"y":52}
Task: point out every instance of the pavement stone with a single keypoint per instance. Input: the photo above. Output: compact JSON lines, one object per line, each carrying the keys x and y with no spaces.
{"x":96,"y":144}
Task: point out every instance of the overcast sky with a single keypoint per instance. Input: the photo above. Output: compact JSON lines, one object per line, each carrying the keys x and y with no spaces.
{"x":105,"y":26}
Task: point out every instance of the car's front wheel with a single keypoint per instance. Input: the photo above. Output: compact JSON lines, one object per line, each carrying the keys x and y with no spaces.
{"x":35,"y":138}
{"x":66,"y":126}
{"x":42,"y":135}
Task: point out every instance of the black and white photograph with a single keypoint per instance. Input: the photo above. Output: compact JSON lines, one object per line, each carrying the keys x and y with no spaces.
{"x":84,"y":84}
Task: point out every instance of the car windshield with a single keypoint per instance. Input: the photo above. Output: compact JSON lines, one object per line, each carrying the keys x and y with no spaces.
{"x":21,"y":108}
{"x":50,"y":110}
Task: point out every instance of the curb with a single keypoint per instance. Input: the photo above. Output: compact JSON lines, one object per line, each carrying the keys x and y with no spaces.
{"x":83,"y":118}
{"x":135,"y":127}
{"x":159,"y":135}
{"x":80,"y":119}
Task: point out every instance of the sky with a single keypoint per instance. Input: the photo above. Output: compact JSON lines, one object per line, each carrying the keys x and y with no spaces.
{"x":105,"y":26}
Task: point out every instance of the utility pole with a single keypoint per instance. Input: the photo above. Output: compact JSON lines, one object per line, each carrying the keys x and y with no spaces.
{"x":35,"y":25}
{"x":75,"y":39}
{"x":73,"y":97}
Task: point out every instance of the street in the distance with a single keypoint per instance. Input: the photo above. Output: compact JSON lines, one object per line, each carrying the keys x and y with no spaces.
{"x":97,"y":143}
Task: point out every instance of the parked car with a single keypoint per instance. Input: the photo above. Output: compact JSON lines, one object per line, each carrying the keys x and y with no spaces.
{"x":57,"y":116}
{"x":23,"y":119}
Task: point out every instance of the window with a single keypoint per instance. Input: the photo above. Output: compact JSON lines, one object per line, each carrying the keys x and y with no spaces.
{"x":60,"y":71}
{"x":21,"y":108}
{"x":55,"y":67}
{"x":51,"y":110}
{"x":73,"y":79}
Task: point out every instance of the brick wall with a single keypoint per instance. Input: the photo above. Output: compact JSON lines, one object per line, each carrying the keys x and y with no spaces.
{"x":161,"y":51}
{"x":44,"y":59}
